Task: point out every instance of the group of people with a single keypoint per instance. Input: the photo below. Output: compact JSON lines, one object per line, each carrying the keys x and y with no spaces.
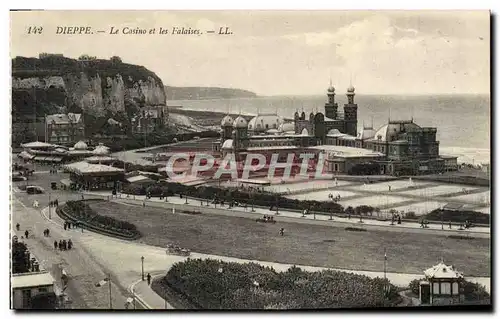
{"x":67,"y":225}
{"x":46,"y":232}
{"x":268,"y":218}
{"x":63,"y":244}
{"x":54,"y":203}
{"x":394,"y":217}
{"x":53,"y":170}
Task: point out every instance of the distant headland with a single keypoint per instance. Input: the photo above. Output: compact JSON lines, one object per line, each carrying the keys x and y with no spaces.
{"x":205,"y":93}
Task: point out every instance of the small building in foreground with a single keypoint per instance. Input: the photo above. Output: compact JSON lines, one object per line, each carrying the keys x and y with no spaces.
{"x":442,"y":286}
{"x":26,"y":286}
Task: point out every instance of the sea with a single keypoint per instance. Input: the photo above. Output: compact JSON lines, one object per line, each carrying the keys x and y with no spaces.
{"x":463,"y":121}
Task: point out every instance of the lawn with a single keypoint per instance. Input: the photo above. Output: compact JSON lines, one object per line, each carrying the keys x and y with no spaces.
{"x":438,"y":190}
{"x":283,"y":188}
{"x":374,"y":201}
{"x":420,"y":208}
{"x":303,"y":244}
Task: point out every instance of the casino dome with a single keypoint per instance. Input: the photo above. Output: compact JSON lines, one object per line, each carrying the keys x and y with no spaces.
{"x":101,"y":150}
{"x":286,"y":127}
{"x":81,"y":146}
{"x":227,"y":121}
{"x":389,"y":132}
{"x":264,"y":122}
{"x":240,"y":122}
{"x":366,"y":133}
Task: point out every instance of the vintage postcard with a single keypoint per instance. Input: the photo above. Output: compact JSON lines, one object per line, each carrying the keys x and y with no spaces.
{"x":250,"y":160}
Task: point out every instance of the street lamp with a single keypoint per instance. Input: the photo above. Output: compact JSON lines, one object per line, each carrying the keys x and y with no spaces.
{"x":50,"y":210}
{"x":142,"y":262}
{"x":102,"y":283}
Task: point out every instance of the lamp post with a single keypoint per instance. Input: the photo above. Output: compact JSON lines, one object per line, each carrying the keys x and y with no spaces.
{"x":142,"y":268}
{"x":50,"y":206}
{"x":277,"y":212}
{"x":102,"y":283}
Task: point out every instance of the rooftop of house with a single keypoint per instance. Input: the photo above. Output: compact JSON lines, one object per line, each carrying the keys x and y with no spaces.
{"x":31,"y":279}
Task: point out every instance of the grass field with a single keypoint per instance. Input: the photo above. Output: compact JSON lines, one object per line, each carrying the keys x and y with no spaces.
{"x":321,"y":196}
{"x":374,"y":201}
{"x":420,"y":208}
{"x":302,"y":244}
{"x":282,"y":188}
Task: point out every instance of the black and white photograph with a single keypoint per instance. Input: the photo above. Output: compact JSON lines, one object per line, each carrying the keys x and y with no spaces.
{"x":269,"y":160}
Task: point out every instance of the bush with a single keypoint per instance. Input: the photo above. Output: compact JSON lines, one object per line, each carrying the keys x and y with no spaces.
{"x":475,"y":292}
{"x":79,"y":210}
{"x":214,"y":284}
{"x":415,"y":286}
{"x":459,"y":216}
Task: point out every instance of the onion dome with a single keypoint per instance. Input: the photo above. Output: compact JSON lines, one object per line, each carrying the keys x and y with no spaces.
{"x":240,"y":122}
{"x":101,"y":150}
{"x":227,"y":121}
{"x":331,"y":89}
{"x":81,"y":146}
{"x":350,"y":89}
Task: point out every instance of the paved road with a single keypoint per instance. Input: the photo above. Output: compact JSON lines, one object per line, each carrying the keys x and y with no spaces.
{"x":83,"y":270}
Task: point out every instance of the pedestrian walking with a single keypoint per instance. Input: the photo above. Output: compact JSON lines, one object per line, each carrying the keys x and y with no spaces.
{"x":149,"y":279}
{"x":48,"y":232}
{"x":60,"y":245}
{"x":70,"y":244}
{"x":65,"y":225}
{"x":26,"y":233}
{"x":69,"y":225}
{"x":56,"y":202}
{"x":55,"y":244}
{"x":449,"y":225}
{"x":18,"y":226}
{"x":64,"y":244}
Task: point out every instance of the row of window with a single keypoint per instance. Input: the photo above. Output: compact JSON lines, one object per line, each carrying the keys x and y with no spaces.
{"x":258,"y":126}
{"x":446,"y":288}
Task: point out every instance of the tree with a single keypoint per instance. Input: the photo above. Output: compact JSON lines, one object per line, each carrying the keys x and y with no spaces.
{"x":116,"y":59}
{"x":20,"y":258}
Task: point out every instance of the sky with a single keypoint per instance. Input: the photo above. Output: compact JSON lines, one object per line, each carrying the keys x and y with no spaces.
{"x":283,"y":52}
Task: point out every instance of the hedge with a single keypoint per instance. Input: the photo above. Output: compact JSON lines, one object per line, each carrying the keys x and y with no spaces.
{"x":214,"y":284}
{"x":81,"y":212}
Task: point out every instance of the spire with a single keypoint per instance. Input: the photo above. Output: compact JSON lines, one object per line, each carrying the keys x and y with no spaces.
{"x":350,"y":79}
{"x":372,"y":121}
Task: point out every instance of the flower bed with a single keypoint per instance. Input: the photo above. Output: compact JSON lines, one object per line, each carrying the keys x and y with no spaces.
{"x":213,"y":284}
{"x":80,"y":212}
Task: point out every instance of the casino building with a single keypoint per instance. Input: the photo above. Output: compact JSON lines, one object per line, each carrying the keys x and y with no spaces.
{"x":396,"y":148}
